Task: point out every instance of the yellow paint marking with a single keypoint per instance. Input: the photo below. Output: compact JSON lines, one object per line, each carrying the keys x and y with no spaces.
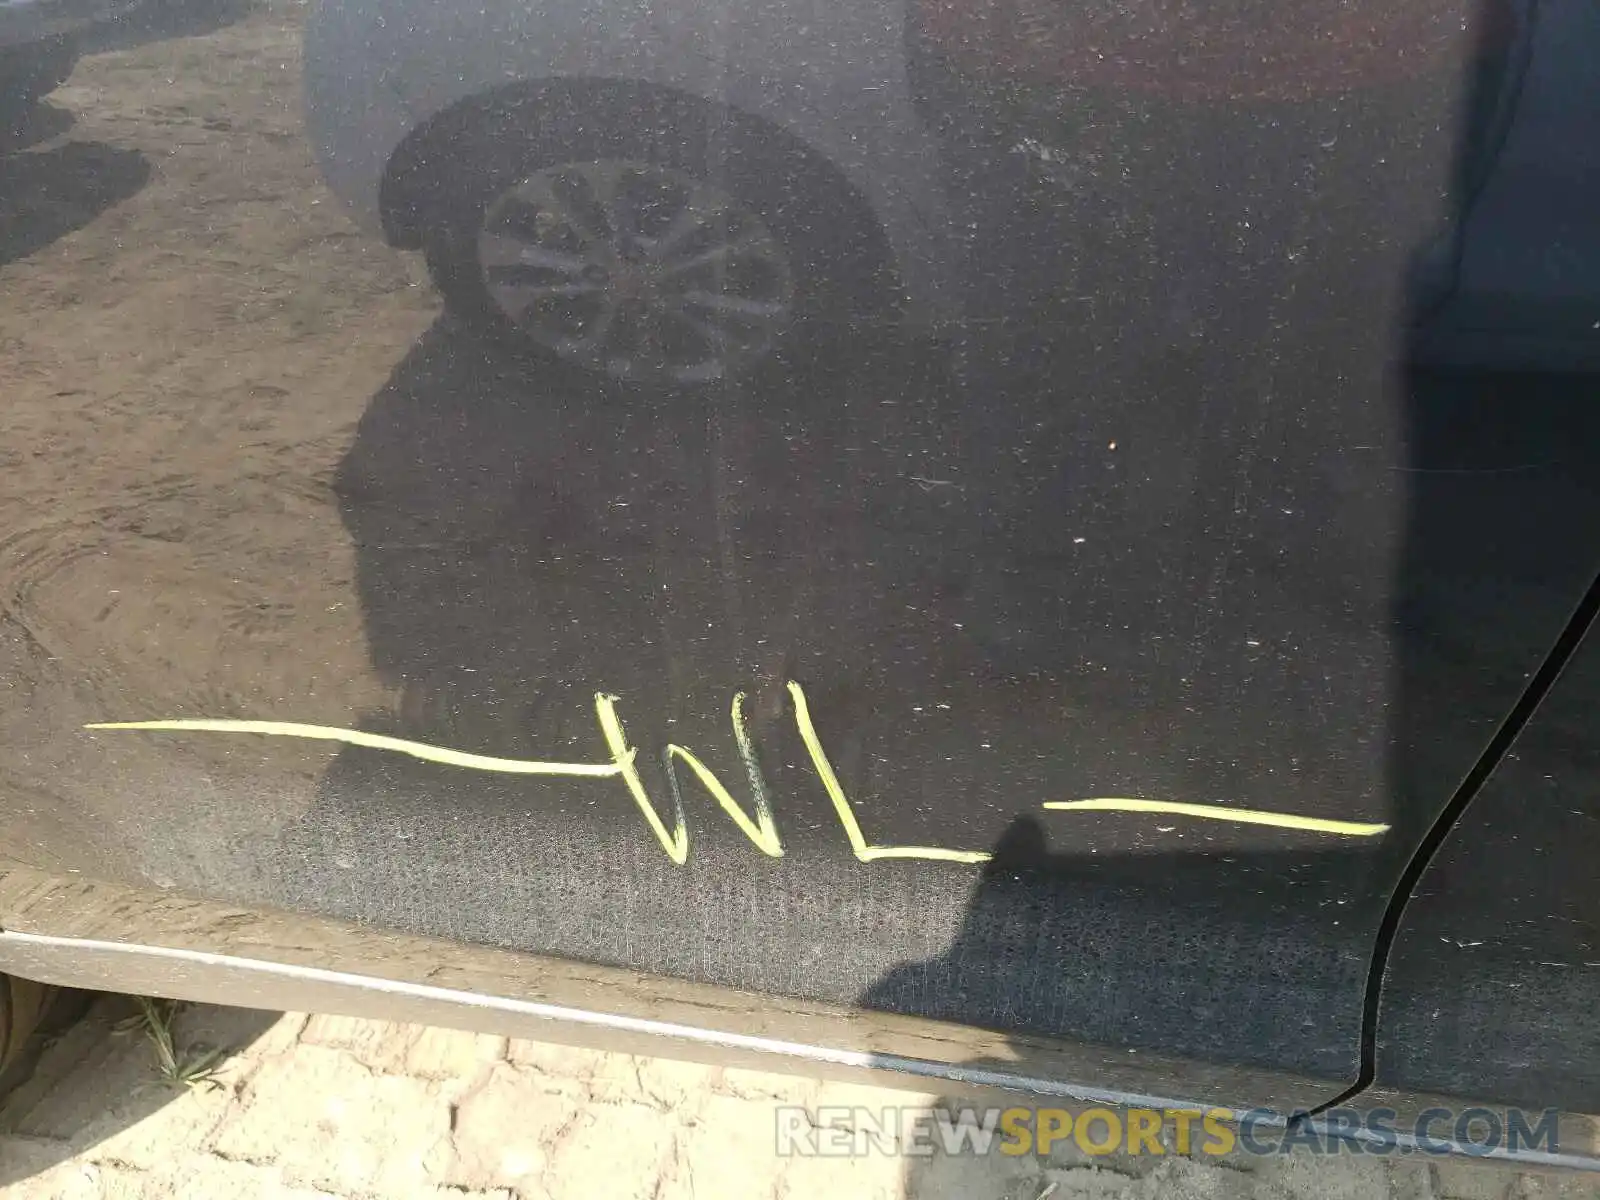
{"x":762,"y":828}
{"x":763,"y":831}
{"x":1220,"y":812}
{"x":676,"y":843}
{"x":841,"y":802}
{"x":377,"y":741}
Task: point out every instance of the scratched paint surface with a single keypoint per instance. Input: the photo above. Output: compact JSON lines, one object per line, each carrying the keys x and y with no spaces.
{"x":1141,"y":623}
{"x":762,"y":829}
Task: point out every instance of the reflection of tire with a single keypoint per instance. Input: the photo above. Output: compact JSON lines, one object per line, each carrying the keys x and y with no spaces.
{"x":30,"y":73}
{"x":22,"y":1004}
{"x":644,"y":237}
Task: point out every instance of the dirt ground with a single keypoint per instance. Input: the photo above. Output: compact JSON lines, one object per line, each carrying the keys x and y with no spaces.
{"x":328,"y":1108}
{"x":240,"y":325}
{"x":166,"y":199}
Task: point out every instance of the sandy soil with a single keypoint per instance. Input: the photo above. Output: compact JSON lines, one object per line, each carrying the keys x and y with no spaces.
{"x":330,"y":1108}
{"x":236,"y":325}
{"x":192,"y":328}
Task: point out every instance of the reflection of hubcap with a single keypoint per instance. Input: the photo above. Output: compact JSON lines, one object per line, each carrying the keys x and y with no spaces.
{"x":636,"y":271}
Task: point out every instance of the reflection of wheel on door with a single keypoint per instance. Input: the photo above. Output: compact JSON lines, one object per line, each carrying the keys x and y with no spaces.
{"x":635,"y":271}
{"x":643,"y":241}
{"x":22,"y":1004}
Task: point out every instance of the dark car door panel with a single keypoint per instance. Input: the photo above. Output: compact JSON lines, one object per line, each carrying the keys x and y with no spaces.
{"x":665,"y":584}
{"x":1487,"y":987}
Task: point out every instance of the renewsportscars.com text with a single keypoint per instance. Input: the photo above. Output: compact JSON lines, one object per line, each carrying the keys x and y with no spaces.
{"x":844,"y":1131}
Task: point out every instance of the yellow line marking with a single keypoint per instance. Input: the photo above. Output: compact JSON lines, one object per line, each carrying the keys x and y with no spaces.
{"x":841,"y":803}
{"x":377,"y":741}
{"x":1220,"y":812}
{"x":763,"y":831}
{"x":675,"y":843}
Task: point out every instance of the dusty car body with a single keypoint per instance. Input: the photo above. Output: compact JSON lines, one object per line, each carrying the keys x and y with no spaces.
{"x":909,"y":546}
